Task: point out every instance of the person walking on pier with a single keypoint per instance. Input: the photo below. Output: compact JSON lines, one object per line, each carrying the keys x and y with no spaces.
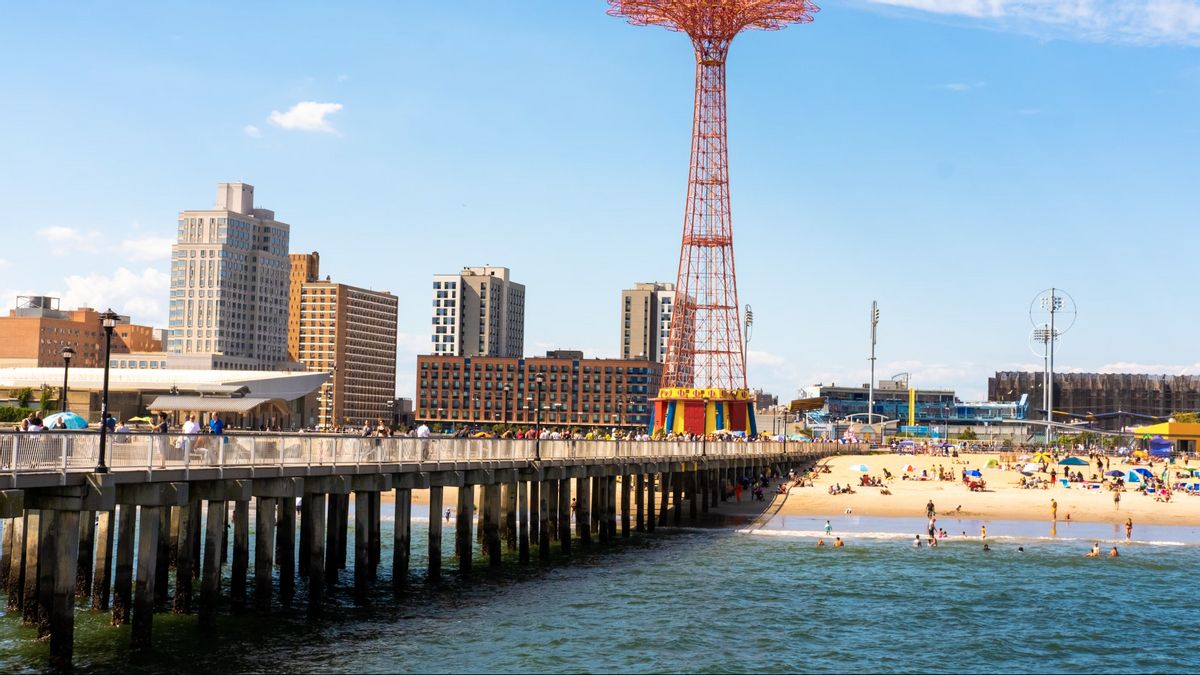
{"x":160,"y":439}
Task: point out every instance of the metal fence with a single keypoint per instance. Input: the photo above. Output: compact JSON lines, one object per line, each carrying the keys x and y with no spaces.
{"x":63,"y":451}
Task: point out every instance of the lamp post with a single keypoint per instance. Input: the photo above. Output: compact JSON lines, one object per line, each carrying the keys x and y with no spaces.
{"x":704,"y":436}
{"x":871,"y":382}
{"x":539,"y":380}
{"x":504,"y":414}
{"x":67,"y":353}
{"x":108,"y":320}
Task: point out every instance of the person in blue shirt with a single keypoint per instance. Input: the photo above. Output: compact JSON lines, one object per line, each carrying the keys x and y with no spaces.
{"x":110,"y":422}
{"x":216,"y":425}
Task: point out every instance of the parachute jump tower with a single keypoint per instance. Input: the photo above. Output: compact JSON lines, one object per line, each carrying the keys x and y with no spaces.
{"x":704,"y":377}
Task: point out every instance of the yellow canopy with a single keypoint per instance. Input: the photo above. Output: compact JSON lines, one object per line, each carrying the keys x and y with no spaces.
{"x":1172,"y":431}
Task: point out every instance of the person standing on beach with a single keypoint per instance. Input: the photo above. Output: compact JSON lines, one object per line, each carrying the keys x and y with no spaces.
{"x":1053,"y":509}
{"x":828,"y":528}
{"x":1128,"y":528}
{"x":929,"y":509}
{"x":1117,"y":500}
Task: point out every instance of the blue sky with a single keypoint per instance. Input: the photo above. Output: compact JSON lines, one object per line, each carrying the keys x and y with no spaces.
{"x":948,"y":158}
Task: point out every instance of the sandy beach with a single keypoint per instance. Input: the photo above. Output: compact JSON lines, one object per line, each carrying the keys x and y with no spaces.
{"x":1003,"y":498}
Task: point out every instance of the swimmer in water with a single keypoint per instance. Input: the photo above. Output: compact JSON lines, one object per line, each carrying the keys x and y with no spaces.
{"x":987,"y":548}
{"x":1113,"y":553}
{"x":837,"y":543}
{"x":820,"y":542}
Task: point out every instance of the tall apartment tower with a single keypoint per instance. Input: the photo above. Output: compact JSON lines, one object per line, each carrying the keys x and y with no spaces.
{"x":646,"y":320}
{"x":305,"y":269}
{"x":229,"y":285}
{"x":351,"y":333}
{"x":479,"y":312}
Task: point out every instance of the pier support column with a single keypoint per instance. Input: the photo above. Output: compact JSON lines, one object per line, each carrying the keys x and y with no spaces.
{"x":650,"y":513}
{"x":45,"y":570}
{"x":362,"y":540}
{"x":183,"y":556}
{"x":402,"y":535}
{"x":550,"y":487}
{"x":305,"y":535}
{"x":162,"y":561}
{"x":122,"y":600}
{"x":595,"y":506}
{"x":264,"y":550}
{"x":286,"y":535}
{"x":542,"y":495}
{"x":343,"y":531}
{"x":435,"y":531}
{"x":241,"y":553}
{"x":29,"y":576}
{"x":62,"y":618}
{"x":6,"y":545}
{"x":512,"y":499}
{"x":16,"y":570}
{"x":522,"y":524}
{"x":714,"y":487}
{"x":333,"y":522}
{"x":664,"y":484}
{"x":677,"y":496}
{"x":87,"y":545}
{"x":611,"y":491}
{"x":102,"y":573}
{"x":626,"y":516}
{"x":376,"y":548}
{"x":210,"y":581}
{"x":583,"y":511}
{"x":639,"y":500}
{"x":464,"y":516}
{"x":564,"y":514}
{"x":314,"y":515}
{"x":601,"y":485}
{"x":491,"y":525}
{"x":702,"y":477}
{"x":693,"y":478}
{"x":147,"y":576}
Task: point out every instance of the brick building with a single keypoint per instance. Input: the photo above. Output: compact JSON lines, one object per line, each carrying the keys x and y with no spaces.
{"x":575,"y":392}
{"x":1111,"y":400}
{"x":36,"y":331}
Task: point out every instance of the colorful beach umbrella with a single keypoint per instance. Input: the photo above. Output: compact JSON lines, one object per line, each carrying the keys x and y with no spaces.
{"x":974,"y":472}
{"x":70,"y":419}
{"x":1144,"y":471}
{"x":907,"y":468}
{"x":860,"y":467}
{"x":1074,"y":461}
{"x":1115,"y":472}
{"x":1042,"y":457}
{"x":1133,"y":477}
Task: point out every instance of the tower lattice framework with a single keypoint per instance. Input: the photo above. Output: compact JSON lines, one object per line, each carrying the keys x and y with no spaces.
{"x":704,"y":346}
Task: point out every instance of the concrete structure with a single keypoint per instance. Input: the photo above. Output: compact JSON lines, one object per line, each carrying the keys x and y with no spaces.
{"x":229,"y":283}
{"x":575,"y":392}
{"x":282,"y":400}
{"x":646,"y":320}
{"x":1108,"y":401}
{"x":351,"y":333}
{"x":171,"y":496}
{"x":36,"y":331}
{"x":305,"y":268}
{"x":479,"y":312}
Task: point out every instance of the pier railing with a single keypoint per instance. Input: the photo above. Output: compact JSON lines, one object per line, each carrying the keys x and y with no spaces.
{"x":78,"y":451}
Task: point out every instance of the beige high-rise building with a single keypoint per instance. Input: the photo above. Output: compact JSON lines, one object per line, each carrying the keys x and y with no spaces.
{"x":646,"y":320}
{"x":305,"y":268}
{"x":351,"y":333}
{"x":229,"y":285}
{"x":479,"y":312}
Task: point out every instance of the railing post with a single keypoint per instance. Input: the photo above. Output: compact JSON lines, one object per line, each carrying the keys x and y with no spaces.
{"x":16,"y":440}
{"x":221,"y":455}
{"x":149,"y":453}
{"x":64,"y":459}
{"x":187,"y":456}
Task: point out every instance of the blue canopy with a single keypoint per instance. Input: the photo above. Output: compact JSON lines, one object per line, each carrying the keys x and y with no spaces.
{"x":1144,"y":471}
{"x":974,"y":472}
{"x":1160,"y":447}
{"x":1074,"y":461}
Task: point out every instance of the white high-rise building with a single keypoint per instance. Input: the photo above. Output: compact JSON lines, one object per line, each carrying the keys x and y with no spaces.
{"x":478,"y":312}
{"x":646,"y":320}
{"x":229,"y":286}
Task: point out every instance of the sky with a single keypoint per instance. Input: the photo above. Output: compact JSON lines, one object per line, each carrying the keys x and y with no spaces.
{"x":950,"y":159}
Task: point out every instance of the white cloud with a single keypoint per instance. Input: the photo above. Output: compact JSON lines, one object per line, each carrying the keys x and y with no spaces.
{"x":63,"y":240}
{"x":1128,"y":21}
{"x":251,"y":131}
{"x":306,"y":116}
{"x":764,"y":358}
{"x":142,"y":295}
{"x":148,"y":247}
{"x":4,"y":263}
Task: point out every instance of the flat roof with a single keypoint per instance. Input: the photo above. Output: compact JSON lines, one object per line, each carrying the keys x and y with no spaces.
{"x":269,"y":383}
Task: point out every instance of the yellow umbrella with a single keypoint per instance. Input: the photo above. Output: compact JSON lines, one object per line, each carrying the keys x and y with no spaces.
{"x":1041,"y":457}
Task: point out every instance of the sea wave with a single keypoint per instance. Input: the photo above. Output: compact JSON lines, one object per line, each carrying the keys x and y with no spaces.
{"x":952,"y":539}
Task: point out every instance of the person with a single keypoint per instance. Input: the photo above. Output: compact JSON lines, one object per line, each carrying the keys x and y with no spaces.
{"x":447,"y":515}
{"x":828,"y":528}
{"x":1113,"y":553}
{"x":1095,"y":552}
{"x":986,"y":548}
{"x":216,"y":425}
{"x":423,"y":434}
{"x":1053,"y":509}
{"x":110,"y":422}
{"x":1117,"y":500}
{"x":932,"y":541}
{"x":1020,"y":549}
{"x":929,"y":509}
{"x":983,"y":531}
{"x":820,"y":542}
{"x":190,"y":429}
{"x":737,"y":491}
{"x":160,"y":439}
{"x":837,"y":543}
{"x":1128,"y":529}
{"x":917,"y":541}
{"x":572,"y":505}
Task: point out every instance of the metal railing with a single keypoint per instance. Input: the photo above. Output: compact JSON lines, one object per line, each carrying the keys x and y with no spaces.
{"x":78,"y":451}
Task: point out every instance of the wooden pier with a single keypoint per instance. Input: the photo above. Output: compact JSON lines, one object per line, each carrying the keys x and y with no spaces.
{"x":168,"y":505}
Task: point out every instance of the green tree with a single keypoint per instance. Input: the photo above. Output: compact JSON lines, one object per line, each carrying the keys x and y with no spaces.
{"x":23,"y":397}
{"x":46,"y":399}
{"x":968,"y":435}
{"x":1186,"y":417}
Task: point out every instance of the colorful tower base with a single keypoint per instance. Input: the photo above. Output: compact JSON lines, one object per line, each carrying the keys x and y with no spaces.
{"x":703,"y":411}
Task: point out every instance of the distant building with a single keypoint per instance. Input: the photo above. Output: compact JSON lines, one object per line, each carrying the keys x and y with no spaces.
{"x":763,"y":400}
{"x":305,"y":268}
{"x":1104,"y":400}
{"x":229,"y":284}
{"x":576,"y":392}
{"x":36,"y":331}
{"x":478,"y":312}
{"x":646,"y":320}
{"x":351,"y":333}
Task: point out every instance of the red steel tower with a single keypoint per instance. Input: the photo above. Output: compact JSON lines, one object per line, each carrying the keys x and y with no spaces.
{"x":704,"y":378}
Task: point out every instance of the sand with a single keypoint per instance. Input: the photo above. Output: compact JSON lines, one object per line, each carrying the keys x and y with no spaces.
{"x":1003,"y":499}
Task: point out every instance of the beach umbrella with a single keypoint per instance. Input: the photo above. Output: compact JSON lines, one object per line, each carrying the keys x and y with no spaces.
{"x":1034,"y":467}
{"x":860,"y":467}
{"x":143,"y":419}
{"x":1115,"y":472}
{"x":1042,"y":457}
{"x":1133,"y":477}
{"x":1144,"y":471}
{"x":1074,"y":461}
{"x":70,"y":419}
{"x":974,"y":472}
{"x":907,"y":468}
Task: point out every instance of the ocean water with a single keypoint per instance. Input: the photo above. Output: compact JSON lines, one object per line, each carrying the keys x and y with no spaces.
{"x":716,"y":600}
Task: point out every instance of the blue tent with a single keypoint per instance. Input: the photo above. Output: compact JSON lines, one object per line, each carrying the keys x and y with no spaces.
{"x":1160,"y":447}
{"x":1133,"y":477}
{"x":974,"y":472}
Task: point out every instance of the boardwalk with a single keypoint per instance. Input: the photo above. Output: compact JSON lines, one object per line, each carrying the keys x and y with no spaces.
{"x":69,"y":531}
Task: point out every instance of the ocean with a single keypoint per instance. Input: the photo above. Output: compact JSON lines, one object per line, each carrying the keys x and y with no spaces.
{"x":719,"y":600}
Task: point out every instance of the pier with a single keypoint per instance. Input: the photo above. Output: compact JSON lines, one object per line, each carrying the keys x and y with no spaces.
{"x":152,"y":534}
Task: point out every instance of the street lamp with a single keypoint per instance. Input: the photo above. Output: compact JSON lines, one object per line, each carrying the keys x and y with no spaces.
{"x":504,"y":414}
{"x":704,"y":436}
{"x":539,"y":380}
{"x":109,"y":321}
{"x":67,"y":353}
